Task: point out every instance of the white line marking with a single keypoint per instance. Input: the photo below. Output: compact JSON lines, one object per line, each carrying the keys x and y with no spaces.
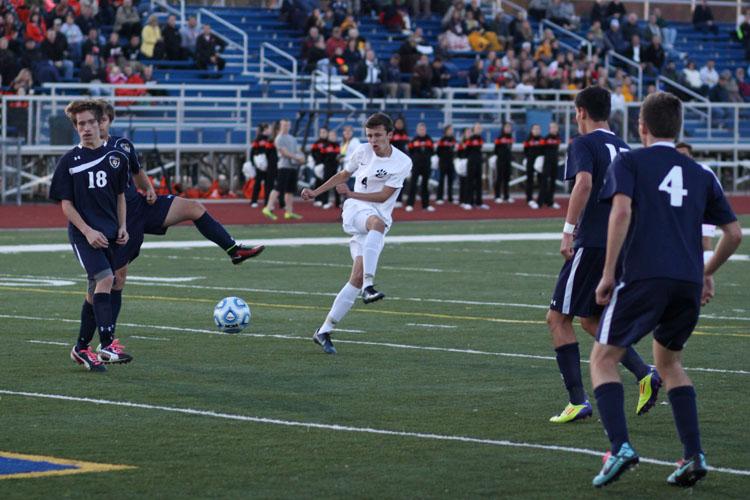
{"x":428,"y":325}
{"x":358,"y":342}
{"x":345,"y":330}
{"x":176,"y":279}
{"x":346,"y":428}
{"x":740,"y":257}
{"x":8,"y":280}
{"x":147,"y":338}
{"x":535,"y":275}
{"x":47,"y":342}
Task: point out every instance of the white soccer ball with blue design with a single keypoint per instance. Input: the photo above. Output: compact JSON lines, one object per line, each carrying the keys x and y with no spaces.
{"x":231,"y":315}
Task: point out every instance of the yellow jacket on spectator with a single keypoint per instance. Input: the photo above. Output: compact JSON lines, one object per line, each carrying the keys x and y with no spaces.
{"x":149,"y":36}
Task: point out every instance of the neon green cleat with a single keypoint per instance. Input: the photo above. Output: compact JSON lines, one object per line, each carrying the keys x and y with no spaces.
{"x":269,"y":214}
{"x":292,"y":215}
{"x":648,"y":392}
{"x":572,"y":413}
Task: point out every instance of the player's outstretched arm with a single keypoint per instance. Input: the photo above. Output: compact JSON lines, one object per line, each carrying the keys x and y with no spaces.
{"x":341,"y":177}
{"x":578,"y":199}
{"x":619,"y":222}
{"x":143,"y":183}
{"x":94,"y":237}
{"x":122,"y":230}
{"x":728,"y":244}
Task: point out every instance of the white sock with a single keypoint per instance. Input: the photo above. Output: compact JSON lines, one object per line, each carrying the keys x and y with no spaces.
{"x":370,"y":254}
{"x":341,"y":305}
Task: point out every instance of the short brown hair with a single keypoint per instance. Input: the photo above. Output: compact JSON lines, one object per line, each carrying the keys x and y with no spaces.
{"x":81,"y":106}
{"x":107,"y":109}
{"x":379,"y":119}
{"x":684,"y":145}
{"x":661,"y":112}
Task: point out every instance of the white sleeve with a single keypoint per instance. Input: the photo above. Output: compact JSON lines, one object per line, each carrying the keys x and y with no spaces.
{"x":352,"y":161}
{"x":708,"y":230}
{"x":397,"y":179}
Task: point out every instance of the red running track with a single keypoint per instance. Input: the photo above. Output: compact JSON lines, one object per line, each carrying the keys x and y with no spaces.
{"x":49,"y":215}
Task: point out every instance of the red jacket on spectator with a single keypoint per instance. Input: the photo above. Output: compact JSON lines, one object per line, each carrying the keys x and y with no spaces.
{"x":36,"y":32}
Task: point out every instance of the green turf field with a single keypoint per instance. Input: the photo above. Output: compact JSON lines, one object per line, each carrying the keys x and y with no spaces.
{"x":442,"y":390}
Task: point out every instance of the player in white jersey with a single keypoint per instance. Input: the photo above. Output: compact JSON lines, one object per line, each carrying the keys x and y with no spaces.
{"x":379,"y":170}
{"x":708,"y":230}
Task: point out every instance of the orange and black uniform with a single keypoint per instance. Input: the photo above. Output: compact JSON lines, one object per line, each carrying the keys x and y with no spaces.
{"x":421,"y":149}
{"x":473,"y":151}
{"x":262,"y":145}
{"x":503,"y":151}
{"x":317,"y":150}
{"x":549,"y":173}
{"x":400,"y":141}
{"x":461,"y":153}
{"x":330,"y":158}
{"x":533,"y":147}
{"x":446,"y":151}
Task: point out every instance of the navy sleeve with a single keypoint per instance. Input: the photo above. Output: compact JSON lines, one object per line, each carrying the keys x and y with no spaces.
{"x":579,"y":160}
{"x":123,"y":178}
{"x":718,"y":212}
{"x":619,"y":179}
{"x":135,"y":165}
{"x":61,"y":187}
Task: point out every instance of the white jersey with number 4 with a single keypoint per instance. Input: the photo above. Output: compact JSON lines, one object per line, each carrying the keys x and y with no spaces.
{"x":372,"y":173}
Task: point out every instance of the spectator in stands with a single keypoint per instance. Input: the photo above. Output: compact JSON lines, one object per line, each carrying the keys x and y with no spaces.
{"x":476,"y":78}
{"x":500,"y":26}
{"x":59,"y":11}
{"x":613,"y":37}
{"x":538,"y":9}
{"x":692,"y":78}
{"x":525,"y":89}
{"x":335,"y":41}
{"x":595,"y":35}
{"x":440,"y":77}
{"x":368,"y":76}
{"x":634,"y":50}
{"x":617,"y":115}
{"x":112,"y":50}
{"x":732,"y":86}
{"x":630,"y":26}
{"x":421,"y":79}
{"x":8,"y":63}
{"x":743,"y":86}
{"x":127,"y":20}
{"x":409,"y":54}
{"x":562,"y":12}
{"x":654,"y":56}
{"x":73,"y":35}
{"x":652,"y":29}
{"x":315,"y":20}
{"x":703,"y":18}
{"x":669,"y":34}
{"x":86,"y":20}
{"x":312,"y":38}
{"x":152,"y":43}
{"x":352,"y":55}
{"x":55,"y":48}
{"x":189,"y":34}
{"x":743,"y":32}
{"x":91,"y":45}
{"x":115,"y":75}
{"x":36,"y":28}
{"x":616,"y":10}
{"x":523,"y":35}
{"x":23,"y":83}
{"x":598,"y":12}
{"x":420,"y":9}
{"x":132,"y":50}
{"x":394,"y":85}
{"x":172,"y":40}
{"x":91,"y":72}
{"x":709,"y":75}
{"x":456,"y":39}
{"x":316,"y":56}
{"x":207,"y":49}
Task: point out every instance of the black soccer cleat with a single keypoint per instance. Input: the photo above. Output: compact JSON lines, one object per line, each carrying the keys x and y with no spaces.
{"x":242,"y":253}
{"x":324,"y":341}
{"x":88,"y":359}
{"x":689,"y":471}
{"x":113,"y":354}
{"x":369,"y":295}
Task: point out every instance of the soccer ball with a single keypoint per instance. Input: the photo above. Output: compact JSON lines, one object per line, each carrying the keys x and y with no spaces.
{"x":231,"y":315}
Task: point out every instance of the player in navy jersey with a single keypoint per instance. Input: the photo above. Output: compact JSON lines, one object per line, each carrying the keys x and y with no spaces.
{"x":149,"y":214}
{"x":583,"y":242}
{"x":660,"y":198}
{"x":90,"y":182}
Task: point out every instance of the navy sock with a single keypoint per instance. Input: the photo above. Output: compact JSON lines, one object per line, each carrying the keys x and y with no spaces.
{"x":633,"y":362}
{"x":88,"y":325}
{"x":103,"y":313}
{"x":610,"y":399}
{"x":569,"y":363}
{"x":685,"y":412}
{"x":116,"y":300}
{"x":212,"y":230}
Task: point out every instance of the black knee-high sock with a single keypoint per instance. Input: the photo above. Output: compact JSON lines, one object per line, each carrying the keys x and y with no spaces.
{"x":569,"y":362}
{"x":116,"y":300}
{"x":610,"y":399}
{"x":88,"y":325}
{"x":633,"y":362}
{"x":212,"y":230}
{"x":685,"y":412}
{"x":103,"y":313}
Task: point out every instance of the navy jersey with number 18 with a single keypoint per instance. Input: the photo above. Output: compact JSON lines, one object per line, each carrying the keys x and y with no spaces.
{"x":91,"y":179}
{"x":672,"y":196}
{"x":593,"y":153}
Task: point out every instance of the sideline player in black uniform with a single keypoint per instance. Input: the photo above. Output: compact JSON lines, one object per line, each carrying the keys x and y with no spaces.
{"x":548,"y":176}
{"x":150,"y":214}
{"x":504,"y":154}
{"x":473,"y":151}
{"x":660,"y":198}
{"x":90,"y":182}
{"x":583,"y":242}
{"x":421,"y":150}
{"x":446,"y":151}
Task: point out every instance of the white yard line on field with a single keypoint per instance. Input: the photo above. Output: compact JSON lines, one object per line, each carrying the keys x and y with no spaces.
{"x":345,"y":428}
{"x":428,"y":325}
{"x":47,"y":342}
{"x":344,"y":341}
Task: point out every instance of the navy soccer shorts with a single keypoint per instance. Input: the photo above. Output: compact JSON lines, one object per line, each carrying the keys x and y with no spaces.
{"x":142,"y":219}
{"x":668,"y":307}
{"x":575,"y":291}
{"x":98,"y":262}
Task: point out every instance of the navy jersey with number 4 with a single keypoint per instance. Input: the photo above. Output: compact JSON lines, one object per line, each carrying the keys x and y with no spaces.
{"x":593,"y":153}
{"x":134,"y":166}
{"x":672,"y":196}
{"x":91,"y":179}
